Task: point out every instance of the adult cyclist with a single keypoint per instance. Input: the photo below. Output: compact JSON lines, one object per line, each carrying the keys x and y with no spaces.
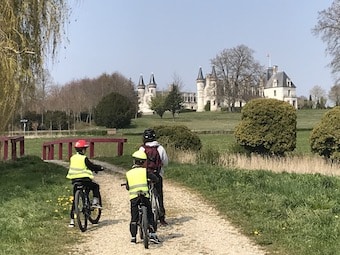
{"x":149,"y":140}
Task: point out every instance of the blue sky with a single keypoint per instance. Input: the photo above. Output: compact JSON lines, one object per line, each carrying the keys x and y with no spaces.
{"x":174,"y":38}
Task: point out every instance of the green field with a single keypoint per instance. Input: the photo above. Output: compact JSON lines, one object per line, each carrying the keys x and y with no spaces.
{"x":215,"y":130}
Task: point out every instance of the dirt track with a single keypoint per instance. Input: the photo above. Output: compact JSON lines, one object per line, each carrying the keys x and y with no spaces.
{"x":194,"y":227}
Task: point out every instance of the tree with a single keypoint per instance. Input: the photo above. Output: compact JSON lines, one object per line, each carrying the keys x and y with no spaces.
{"x":304,"y":103}
{"x":173,"y":101}
{"x":29,"y":31}
{"x":325,"y":136}
{"x":267,"y":127}
{"x":114,"y":111}
{"x":78,"y":98}
{"x":239,"y":74}
{"x":318,"y":96}
{"x":334,"y":94}
{"x":158,"y":104}
{"x":328,"y":27}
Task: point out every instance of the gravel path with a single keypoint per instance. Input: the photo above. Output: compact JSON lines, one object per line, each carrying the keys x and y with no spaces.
{"x":194,"y":227}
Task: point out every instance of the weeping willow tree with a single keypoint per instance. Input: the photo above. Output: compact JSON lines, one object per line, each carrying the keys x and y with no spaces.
{"x":30,"y":31}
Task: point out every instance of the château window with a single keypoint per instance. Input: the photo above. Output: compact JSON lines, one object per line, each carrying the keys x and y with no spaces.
{"x":274,"y":83}
{"x":274,"y":93}
{"x":289,"y":93}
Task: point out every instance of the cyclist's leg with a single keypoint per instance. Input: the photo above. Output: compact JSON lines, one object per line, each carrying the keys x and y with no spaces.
{"x":72,"y":208}
{"x":95,"y":190}
{"x":151,"y":221}
{"x":159,"y":188}
{"x":134,"y":217}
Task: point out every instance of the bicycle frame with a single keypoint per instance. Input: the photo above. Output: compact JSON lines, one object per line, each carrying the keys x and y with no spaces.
{"x":154,"y":200}
{"x":82,"y":203}
{"x":143,"y":222}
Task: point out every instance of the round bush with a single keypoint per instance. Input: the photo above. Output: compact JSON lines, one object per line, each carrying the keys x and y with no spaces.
{"x":180,"y":137}
{"x":325,"y":136}
{"x":268,"y":127}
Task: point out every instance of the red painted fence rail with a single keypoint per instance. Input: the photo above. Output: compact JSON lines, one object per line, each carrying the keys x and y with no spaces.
{"x":13,"y":140}
{"x":48,"y":147}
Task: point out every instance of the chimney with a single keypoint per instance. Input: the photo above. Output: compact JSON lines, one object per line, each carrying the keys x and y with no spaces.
{"x":275,"y":69}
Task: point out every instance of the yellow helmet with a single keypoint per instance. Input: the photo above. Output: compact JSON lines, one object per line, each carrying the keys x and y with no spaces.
{"x":139,"y":155}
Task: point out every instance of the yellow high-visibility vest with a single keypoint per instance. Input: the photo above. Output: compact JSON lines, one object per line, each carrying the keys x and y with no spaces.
{"x":137,"y":180}
{"x":78,"y":169}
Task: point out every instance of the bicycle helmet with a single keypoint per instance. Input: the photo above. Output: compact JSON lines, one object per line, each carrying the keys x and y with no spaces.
{"x":149,"y":135}
{"x":139,"y":155}
{"x":80,"y":144}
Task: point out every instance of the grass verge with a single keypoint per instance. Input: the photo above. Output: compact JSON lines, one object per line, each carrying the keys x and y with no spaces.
{"x":34,"y":208}
{"x":287,"y":213}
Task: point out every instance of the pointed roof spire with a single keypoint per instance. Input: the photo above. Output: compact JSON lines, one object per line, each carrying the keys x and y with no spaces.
{"x":141,"y":84}
{"x":213,"y":73}
{"x":152,"y":81}
{"x":200,"y":74}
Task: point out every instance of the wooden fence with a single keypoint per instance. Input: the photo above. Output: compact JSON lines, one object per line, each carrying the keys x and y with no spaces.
{"x":8,"y":141}
{"x":48,"y":147}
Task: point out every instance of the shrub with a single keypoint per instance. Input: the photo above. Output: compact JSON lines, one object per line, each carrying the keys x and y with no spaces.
{"x":114,"y":111}
{"x":179,"y":137}
{"x":325,"y":136}
{"x":267,"y":127}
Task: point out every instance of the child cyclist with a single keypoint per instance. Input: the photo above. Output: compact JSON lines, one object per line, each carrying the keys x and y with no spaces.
{"x":81,"y":168}
{"x":137,"y":180}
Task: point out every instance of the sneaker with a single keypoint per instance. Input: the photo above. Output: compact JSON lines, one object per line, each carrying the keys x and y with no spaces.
{"x":71,"y":225}
{"x":163,"y":222}
{"x":133,"y":240}
{"x":154,"y":238}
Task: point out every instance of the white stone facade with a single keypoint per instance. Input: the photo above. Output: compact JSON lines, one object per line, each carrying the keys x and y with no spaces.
{"x":145,"y":94}
{"x":275,"y":85}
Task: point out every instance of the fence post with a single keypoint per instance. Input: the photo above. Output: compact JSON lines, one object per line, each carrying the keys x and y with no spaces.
{"x":60,"y":151}
{"x":5,"y":149}
{"x":22,"y":147}
{"x":14,"y":149}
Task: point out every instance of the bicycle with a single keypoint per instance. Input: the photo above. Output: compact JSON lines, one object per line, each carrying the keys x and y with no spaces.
{"x":84,"y":211}
{"x":154,"y":199}
{"x":143,"y":223}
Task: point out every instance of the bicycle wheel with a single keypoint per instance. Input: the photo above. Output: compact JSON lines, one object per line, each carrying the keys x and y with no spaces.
{"x":95,"y":212}
{"x":140,"y":227}
{"x":145,"y":227}
{"x":80,"y":209}
{"x":155,"y":209}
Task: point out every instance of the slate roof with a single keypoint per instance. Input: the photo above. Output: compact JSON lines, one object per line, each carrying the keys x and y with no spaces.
{"x":281,"y":78}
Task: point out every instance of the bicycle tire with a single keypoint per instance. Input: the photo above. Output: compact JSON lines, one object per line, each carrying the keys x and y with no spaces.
{"x":80,"y":209}
{"x":95,"y":212}
{"x":155,"y":209}
{"x":140,"y":227}
{"x":145,"y":227}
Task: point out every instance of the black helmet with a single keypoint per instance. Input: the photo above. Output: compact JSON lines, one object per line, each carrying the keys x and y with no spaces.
{"x":149,"y":135}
